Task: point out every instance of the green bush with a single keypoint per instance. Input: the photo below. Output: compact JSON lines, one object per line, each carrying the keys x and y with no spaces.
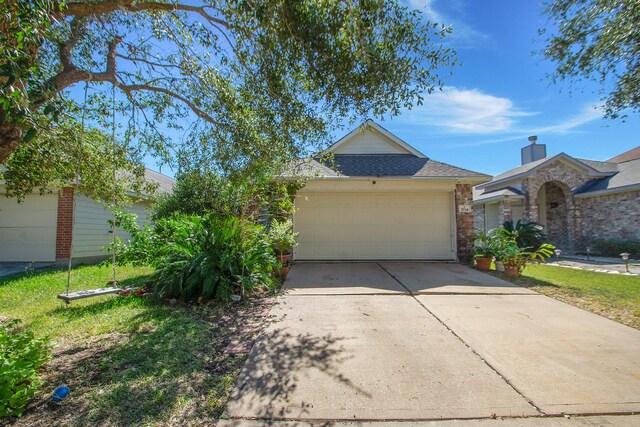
{"x":201,"y":257}
{"x":21,"y":357}
{"x":527,"y":235}
{"x":613,"y":248}
{"x":282,"y":237}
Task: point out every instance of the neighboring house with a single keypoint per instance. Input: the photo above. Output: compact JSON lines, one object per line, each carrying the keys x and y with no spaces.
{"x":379,"y":198}
{"x":576,"y":200}
{"x":41,"y":229}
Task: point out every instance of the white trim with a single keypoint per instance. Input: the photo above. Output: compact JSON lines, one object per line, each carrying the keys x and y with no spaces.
{"x":454,"y":227}
{"x":457,"y":179}
{"x":380,"y":129}
{"x":495,"y":198}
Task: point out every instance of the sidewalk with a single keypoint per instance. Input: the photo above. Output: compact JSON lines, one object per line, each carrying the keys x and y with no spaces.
{"x":596,"y":263}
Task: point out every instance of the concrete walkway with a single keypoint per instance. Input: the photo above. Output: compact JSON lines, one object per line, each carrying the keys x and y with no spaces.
{"x":599,"y":264}
{"x":417,"y":342}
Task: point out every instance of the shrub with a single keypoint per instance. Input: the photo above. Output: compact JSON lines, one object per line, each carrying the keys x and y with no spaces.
{"x":527,"y":235}
{"x":21,"y":357}
{"x":202,"y":257}
{"x":282,"y":237}
{"x":613,"y":248}
{"x":200,"y":193}
{"x":484,"y":245}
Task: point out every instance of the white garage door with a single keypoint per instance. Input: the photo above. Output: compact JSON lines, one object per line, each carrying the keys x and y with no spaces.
{"x":28,"y":230}
{"x":361,"y":226}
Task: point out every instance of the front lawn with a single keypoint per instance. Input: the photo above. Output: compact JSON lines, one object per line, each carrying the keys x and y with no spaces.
{"x":126,"y":360}
{"x":610,"y":295}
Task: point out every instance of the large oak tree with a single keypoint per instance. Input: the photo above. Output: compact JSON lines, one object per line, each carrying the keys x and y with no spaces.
{"x":222,"y":84}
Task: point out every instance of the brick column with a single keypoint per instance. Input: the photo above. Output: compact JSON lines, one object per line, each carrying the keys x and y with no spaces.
{"x":464,"y":223}
{"x":64,"y":230}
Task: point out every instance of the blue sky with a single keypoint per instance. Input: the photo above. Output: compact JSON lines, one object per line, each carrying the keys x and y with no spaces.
{"x":500,"y":95}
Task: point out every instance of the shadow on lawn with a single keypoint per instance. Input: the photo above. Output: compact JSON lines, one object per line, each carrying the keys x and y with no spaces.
{"x":138,"y":378}
{"x":172,"y":371}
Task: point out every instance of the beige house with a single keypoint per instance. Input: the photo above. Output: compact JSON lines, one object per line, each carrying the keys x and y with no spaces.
{"x":378,"y":198}
{"x":42,"y":227}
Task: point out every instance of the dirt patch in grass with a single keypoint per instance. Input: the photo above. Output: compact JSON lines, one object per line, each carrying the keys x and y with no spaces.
{"x":169,"y":366}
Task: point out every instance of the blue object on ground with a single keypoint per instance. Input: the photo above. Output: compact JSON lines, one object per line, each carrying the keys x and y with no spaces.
{"x":60,"y":393}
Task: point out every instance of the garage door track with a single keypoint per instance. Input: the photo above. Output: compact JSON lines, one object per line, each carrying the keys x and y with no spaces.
{"x":422,"y":341}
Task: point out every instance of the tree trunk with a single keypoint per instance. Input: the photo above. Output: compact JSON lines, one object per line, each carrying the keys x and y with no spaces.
{"x":10,"y":137}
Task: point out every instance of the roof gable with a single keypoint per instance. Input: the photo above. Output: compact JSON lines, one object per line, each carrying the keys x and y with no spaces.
{"x":371,"y":138}
{"x":532,"y":167}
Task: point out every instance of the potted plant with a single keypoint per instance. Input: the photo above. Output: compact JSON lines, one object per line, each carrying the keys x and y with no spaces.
{"x":516,"y":258}
{"x":283,"y":240}
{"x":484,"y":251}
{"x":505,"y":246}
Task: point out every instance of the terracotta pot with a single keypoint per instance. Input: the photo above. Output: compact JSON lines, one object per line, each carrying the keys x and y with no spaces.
{"x":499,"y":266}
{"x":282,"y":271}
{"x":511,"y":271}
{"x":285,"y":258}
{"x":483,"y":263}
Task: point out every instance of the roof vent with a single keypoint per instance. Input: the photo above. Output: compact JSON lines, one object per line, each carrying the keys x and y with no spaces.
{"x":533,"y":151}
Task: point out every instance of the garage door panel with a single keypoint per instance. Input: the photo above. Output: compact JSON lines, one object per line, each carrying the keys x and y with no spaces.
{"x":28,"y":230}
{"x":370,"y":225}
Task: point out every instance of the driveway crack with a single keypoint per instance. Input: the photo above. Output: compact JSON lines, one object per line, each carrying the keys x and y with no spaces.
{"x":494,"y":369}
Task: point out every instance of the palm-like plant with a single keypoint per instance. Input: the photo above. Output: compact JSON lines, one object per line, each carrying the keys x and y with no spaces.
{"x":526,"y":235}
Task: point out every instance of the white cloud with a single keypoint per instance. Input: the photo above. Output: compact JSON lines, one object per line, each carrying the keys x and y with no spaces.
{"x":588,"y":114}
{"x":465,"y":111}
{"x":463,"y":35}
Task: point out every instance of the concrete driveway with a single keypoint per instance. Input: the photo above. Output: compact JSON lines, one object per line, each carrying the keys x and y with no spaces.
{"x":422,"y":341}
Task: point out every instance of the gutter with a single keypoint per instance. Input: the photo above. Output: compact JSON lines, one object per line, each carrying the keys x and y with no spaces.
{"x":494,"y":198}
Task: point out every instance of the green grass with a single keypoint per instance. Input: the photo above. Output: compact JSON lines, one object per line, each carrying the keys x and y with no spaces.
{"x":612,"y":295}
{"x":127,"y":360}
{"x":32,"y":298}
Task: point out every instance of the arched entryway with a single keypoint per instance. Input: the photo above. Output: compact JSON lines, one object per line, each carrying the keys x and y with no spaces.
{"x":555,"y":212}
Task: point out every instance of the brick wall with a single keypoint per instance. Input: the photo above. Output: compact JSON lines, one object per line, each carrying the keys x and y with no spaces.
{"x":557,"y":217}
{"x":464,"y":223}
{"x":478,"y":218}
{"x":610,"y":217}
{"x":64,"y":231}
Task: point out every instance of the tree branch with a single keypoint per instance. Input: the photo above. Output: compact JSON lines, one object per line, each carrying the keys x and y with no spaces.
{"x":71,"y":74}
{"x":145,"y":61}
{"x":86,"y":8}
{"x":138,"y":87}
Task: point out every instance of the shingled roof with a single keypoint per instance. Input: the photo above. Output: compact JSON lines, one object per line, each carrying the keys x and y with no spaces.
{"x":383,"y":165}
{"x":627,"y":178}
